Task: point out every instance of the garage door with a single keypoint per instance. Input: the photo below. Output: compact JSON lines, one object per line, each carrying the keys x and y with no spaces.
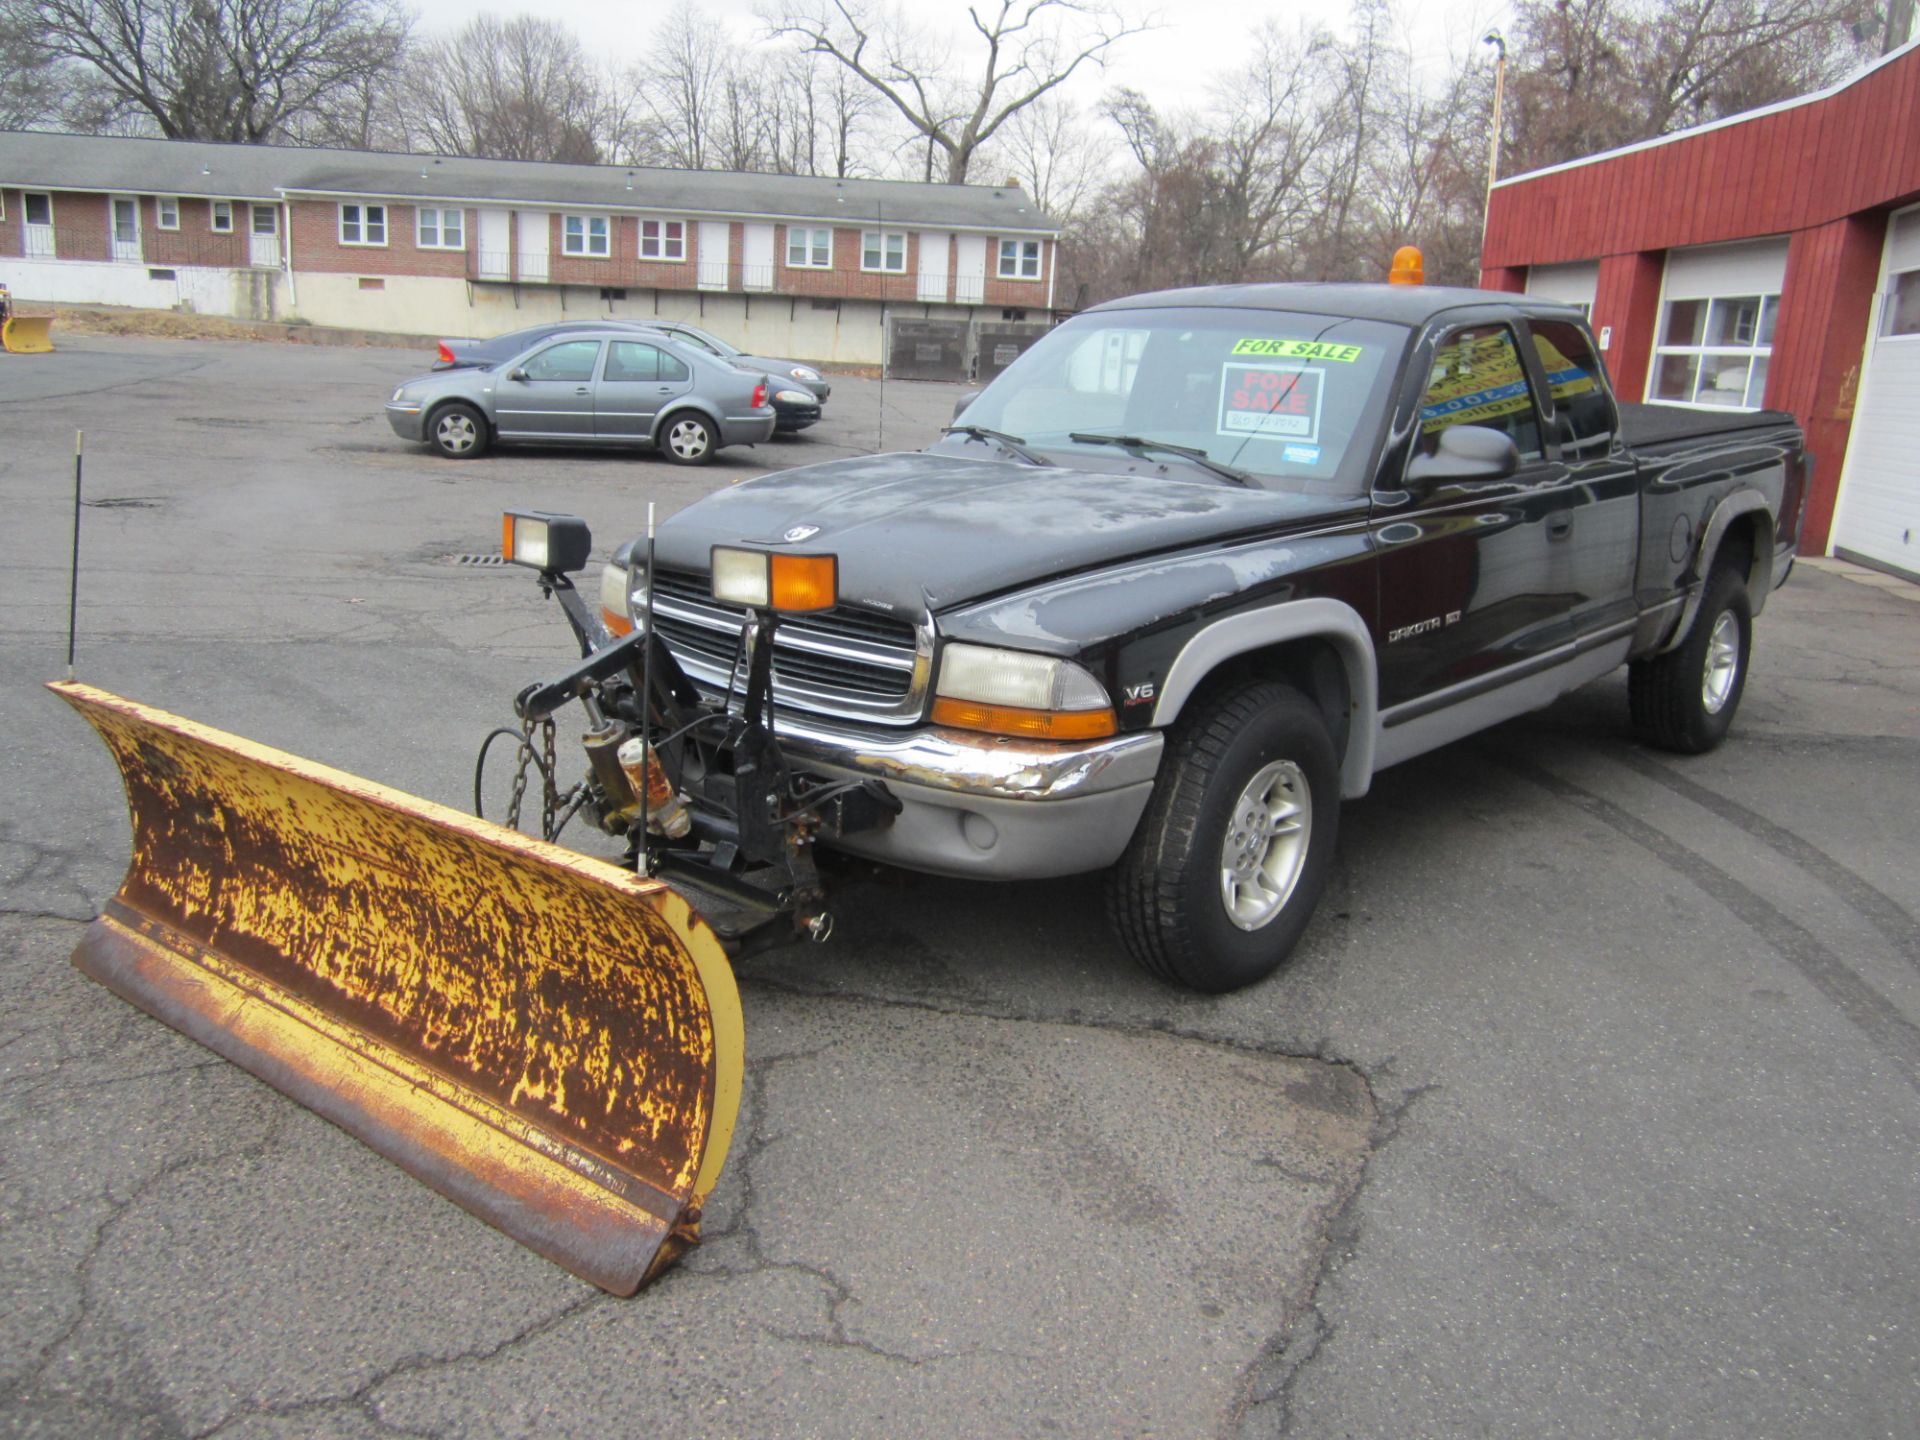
{"x":1877,"y":521}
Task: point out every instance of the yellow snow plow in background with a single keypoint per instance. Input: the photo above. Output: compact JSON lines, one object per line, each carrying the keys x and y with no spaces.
{"x":23,"y":334}
{"x":550,"y":1041}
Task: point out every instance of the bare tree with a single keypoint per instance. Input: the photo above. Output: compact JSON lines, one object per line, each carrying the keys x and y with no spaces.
{"x":1030,"y":48}
{"x":1059,"y":160}
{"x":36,"y":81}
{"x":519,"y":89}
{"x":217,"y":69}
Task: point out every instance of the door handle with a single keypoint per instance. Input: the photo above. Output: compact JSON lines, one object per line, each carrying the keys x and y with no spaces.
{"x":584,"y":390}
{"x":1560,"y":525}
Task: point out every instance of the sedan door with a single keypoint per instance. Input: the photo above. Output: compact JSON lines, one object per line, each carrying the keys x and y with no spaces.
{"x":638,"y":381}
{"x":549,"y":395}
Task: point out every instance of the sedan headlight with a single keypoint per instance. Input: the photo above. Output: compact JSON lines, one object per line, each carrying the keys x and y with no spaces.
{"x":801,"y":372}
{"x":1014,"y":692}
{"x":399,"y":395}
{"x":794,"y":397}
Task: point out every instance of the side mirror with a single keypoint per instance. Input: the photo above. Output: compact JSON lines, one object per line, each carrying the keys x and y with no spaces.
{"x":518,"y":373}
{"x":1465,"y":452}
{"x":964,"y":401}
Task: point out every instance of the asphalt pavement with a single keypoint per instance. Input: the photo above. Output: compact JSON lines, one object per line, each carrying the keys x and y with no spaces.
{"x":1588,"y":1106}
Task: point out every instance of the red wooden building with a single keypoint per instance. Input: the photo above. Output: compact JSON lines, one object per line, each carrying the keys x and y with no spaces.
{"x":1769,"y":259}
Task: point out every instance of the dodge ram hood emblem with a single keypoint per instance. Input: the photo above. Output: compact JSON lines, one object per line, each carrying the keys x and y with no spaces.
{"x":801,"y":532}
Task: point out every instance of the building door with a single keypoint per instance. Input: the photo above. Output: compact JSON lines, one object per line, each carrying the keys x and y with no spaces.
{"x":714,"y":237}
{"x":263,"y":238}
{"x":37,"y":225}
{"x":1877,"y":519}
{"x":494,"y":259}
{"x":535,"y":236}
{"x":756,"y":257}
{"x":933,"y":266}
{"x":970,"y":270}
{"x":125,"y":229}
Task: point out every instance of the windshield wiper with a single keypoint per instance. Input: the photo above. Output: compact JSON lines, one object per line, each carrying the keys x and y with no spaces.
{"x":1191,"y":452}
{"x":1012,"y":444}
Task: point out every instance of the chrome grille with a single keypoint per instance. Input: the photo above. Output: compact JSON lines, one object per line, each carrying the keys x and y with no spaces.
{"x":856,"y":664}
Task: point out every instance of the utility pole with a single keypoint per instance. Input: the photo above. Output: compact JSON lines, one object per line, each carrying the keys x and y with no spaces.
{"x":1499,"y":43}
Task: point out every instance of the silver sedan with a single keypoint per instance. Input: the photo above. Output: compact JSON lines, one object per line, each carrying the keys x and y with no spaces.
{"x":609,"y":388}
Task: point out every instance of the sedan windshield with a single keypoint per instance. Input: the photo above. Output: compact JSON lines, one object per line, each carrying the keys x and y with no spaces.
{"x":1293,"y":400}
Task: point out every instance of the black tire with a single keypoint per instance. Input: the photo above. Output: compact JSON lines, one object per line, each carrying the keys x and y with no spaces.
{"x":458,"y":432}
{"x":1673,"y":696}
{"x":1167,"y":898}
{"x":687,"y":438}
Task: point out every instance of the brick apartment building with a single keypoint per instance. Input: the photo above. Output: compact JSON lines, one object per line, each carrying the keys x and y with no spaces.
{"x":1768,"y":259}
{"x":424,"y":244}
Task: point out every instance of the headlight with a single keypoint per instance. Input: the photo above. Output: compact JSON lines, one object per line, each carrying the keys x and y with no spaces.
{"x":544,"y":541}
{"x":399,"y":395}
{"x":619,"y":607}
{"x":1013,"y":692}
{"x":794,"y":397}
{"x":801,"y":372}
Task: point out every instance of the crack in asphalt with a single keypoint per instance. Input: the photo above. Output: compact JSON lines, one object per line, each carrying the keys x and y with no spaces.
{"x":1268,"y":1381}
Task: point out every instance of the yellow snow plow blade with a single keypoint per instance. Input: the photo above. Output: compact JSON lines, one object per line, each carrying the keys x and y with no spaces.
{"x":551,"y":1041}
{"x":27,"y":334}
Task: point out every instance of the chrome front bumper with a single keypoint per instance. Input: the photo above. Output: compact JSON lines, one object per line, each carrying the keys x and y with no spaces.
{"x":988,"y":807}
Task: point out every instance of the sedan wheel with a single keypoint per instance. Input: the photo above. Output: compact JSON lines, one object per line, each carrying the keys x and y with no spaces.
{"x":458,"y":432}
{"x":688,"y":441}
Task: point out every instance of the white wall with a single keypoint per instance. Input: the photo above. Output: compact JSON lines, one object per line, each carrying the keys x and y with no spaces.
{"x":238,"y":293}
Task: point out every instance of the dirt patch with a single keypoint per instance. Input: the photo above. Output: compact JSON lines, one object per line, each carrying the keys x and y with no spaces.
{"x":182,"y":325}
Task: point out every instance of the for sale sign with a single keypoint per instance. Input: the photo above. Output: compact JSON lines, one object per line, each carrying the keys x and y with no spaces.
{"x":1277,"y":400}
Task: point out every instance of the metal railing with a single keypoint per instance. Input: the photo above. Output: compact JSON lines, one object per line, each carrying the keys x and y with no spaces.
{"x":970,"y":290}
{"x":756,"y":277}
{"x":155,"y":248}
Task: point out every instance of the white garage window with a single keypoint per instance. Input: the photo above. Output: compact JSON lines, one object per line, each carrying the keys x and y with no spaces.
{"x":1719,"y":305}
{"x":1902,"y":313}
{"x":1715,"y":351}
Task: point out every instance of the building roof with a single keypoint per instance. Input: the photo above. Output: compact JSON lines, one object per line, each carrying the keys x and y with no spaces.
{"x":46,"y":160}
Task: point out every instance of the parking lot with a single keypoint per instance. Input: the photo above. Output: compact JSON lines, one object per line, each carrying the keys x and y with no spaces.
{"x":1588,"y":1106}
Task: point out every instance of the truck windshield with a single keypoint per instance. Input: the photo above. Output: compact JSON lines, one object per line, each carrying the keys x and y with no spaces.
{"x":1294,"y":400}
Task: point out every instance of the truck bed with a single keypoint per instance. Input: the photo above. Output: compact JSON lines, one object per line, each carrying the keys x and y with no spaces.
{"x":1656,"y":425}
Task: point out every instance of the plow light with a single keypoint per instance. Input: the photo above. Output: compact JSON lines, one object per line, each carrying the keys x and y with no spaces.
{"x":557,"y":544}
{"x":1409,"y":267}
{"x":1013,"y":692}
{"x":761,"y":580}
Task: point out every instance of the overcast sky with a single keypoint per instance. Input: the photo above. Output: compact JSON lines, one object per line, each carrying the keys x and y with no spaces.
{"x":1172,"y":65}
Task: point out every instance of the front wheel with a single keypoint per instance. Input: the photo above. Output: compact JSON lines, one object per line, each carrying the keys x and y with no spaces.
{"x":458,"y":432}
{"x":1685,"y":699}
{"x":687,"y":440}
{"x":1233,"y":852}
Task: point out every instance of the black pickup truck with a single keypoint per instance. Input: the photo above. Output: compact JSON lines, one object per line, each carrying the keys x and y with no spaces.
{"x":1172,"y":588}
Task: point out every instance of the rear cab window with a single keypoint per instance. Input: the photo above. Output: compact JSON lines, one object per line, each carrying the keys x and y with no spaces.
{"x":1297,"y":400}
{"x":1584,"y":418}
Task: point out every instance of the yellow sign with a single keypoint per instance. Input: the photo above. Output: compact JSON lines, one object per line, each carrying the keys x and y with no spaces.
{"x":1474,"y":380}
{"x":1299,"y":350}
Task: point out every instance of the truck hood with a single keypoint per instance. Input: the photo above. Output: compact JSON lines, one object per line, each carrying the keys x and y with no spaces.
{"x":918,"y":533}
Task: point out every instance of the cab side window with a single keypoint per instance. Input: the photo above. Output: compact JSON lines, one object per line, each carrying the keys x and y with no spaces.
{"x":572,"y":360}
{"x":1477,"y":379}
{"x":1583,"y":414}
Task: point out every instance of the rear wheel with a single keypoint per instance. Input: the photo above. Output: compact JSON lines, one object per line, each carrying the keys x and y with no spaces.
{"x":458,"y":432}
{"x":1685,"y":699}
{"x":1234,"y":849}
{"x":687,"y":439}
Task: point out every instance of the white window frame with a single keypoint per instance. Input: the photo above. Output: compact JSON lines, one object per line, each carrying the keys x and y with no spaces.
{"x":883,"y":236}
{"x":1755,"y":352}
{"x":807,"y":247}
{"x":26,"y":213}
{"x":662,"y":241}
{"x":586,"y":251}
{"x":440,"y":227}
{"x":160,"y":205}
{"x":1020,"y":258}
{"x":214,"y":210}
{"x":363,"y":224}
{"x":3,"y":204}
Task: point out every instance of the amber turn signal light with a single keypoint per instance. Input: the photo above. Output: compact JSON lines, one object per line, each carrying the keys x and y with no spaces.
{"x":1027,"y":724}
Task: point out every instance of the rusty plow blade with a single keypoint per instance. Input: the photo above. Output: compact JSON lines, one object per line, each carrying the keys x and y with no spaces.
{"x":26,"y":335}
{"x":550,"y":1041}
